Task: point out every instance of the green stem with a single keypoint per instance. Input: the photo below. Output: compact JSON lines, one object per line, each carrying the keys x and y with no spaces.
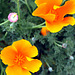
{"x":4,"y":22}
{"x":41,"y":24}
{"x":46,"y":62}
{"x":23,"y":1}
{"x":28,"y":6}
{"x":18,"y":9}
{"x":2,"y":69}
{"x":37,"y":26}
{"x":34,"y":27}
{"x":57,"y":44}
{"x":4,"y":36}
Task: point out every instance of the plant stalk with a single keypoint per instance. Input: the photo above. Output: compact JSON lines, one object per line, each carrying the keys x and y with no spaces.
{"x":28,"y":6}
{"x":4,"y":22}
{"x":18,"y":9}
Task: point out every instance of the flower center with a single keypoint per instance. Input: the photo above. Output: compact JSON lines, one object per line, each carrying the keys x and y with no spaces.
{"x":19,"y":59}
{"x":55,"y":7}
{"x":14,"y":17}
{"x":53,"y":11}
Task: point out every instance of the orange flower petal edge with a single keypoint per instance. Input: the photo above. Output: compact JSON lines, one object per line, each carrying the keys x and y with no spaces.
{"x":16,"y":70}
{"x":44,"y":31}
{"x":54,"y":14}
{"x":58,"y":2}
{"x":18,"y":57}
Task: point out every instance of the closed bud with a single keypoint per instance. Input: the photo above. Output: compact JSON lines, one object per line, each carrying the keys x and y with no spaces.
{"x":71,"y":58}
{"x":33,"y":39}
{"x":50,"y":69}
{"x":64,"y":45}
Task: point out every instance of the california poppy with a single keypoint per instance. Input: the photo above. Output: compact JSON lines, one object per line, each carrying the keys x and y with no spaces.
{"x":54,"y":13}
{"x":19,"y":59}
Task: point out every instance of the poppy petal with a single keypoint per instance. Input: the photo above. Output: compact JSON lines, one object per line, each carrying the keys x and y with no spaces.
{"x":67,"y":8}
{"x":48,"y":17}
{"x":69,"y":20}
{"x":21,"y":43}
{"x":57,"y":2}
{"x":24,"y":47}
{"x":32,"y":65}
{"x":29,"y":51}
{"x":38,"y":2}
{"x":41,"y":10}
{"x":16,"y":70}
{"x":8,"y":55}
{"x":44,"y":13}
{"x":54,"y":27}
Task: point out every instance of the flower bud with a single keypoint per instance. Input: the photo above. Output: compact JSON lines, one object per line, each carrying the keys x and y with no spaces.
{"x":13,"y":17}
{"x":64,"y":45}
{"x":33,"y":39}
{"x":50,"y":69}
{"x":71,"y":58}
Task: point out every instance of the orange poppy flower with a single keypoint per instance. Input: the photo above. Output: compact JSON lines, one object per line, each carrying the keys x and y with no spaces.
{"x":44,"y":31}
{"x":18,"y":57}
{"x":54,"y":14}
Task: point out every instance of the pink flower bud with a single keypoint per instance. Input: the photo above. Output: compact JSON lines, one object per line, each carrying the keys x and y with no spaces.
{"x":13,"y":17}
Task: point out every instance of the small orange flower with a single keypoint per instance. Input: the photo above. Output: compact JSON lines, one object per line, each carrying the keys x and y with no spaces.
{"x":54,"y":14}
{"x":18,"y":57}
{"x":44,"y":31}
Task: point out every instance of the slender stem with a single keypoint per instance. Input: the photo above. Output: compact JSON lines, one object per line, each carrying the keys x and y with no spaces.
{"x":28,"y":6}
{"x":4,"y":22}
{"x":41,"y":24}
{"x":23,"y":1}
{"x":18,"y":9}
{"x":57,"y":44}
{"x":4,"y":36}
{"x":37,"y":26}
{"x":34,"y":27}
{"x":2,"y":69}
{"x":46,"y":62}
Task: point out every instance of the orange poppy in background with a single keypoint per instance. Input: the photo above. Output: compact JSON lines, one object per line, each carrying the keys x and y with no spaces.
{"x":19,"y":59}
{"x":54,"y":14}
{"x":44,"y":31}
